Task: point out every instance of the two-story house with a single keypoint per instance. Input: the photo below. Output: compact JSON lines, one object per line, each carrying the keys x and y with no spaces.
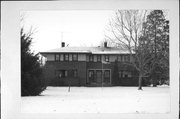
{"x":89,"y":66}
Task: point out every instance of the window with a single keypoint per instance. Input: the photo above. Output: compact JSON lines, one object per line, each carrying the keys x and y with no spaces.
{"x":106,"y":58}
{"x":75,"y":57}
{"x":57,"y":73}
{"x":66,"y":57}
{"x":87,"y":58}
{"x":95,"y":58}
{"x":72,"y":73}
{"x":65,"y":73}
{"x":106,"y":74}
{"x":61,"y":73}
{"x":91,"y":58}
{"x":70,"y":57}
{"x":119,"y":58}
{"x":125,"y":74}
{"x":99,"y":58}
{"x":57,"y":57}
{"x":91,"y":76}
{"x":61,"y":57}
{"x":122,"y":58}
{"x":126,"y":58}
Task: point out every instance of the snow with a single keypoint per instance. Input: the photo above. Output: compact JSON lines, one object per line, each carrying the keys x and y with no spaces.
{"x":99,"y":100}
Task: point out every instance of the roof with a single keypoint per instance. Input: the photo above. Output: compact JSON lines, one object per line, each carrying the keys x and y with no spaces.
{"x":91,"y":50}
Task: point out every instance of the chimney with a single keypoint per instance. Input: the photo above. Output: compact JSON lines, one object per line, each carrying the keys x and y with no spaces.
{"x":63,"y":44}
{"x":105,"y":44}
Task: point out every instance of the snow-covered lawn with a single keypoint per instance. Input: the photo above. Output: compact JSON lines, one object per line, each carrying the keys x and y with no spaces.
{"x":99,"y":100}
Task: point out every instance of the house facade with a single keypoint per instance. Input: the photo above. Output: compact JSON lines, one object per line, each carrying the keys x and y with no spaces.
{"x":89,"y":66}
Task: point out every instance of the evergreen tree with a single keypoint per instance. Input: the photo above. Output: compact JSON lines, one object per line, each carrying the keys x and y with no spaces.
{"x":32,"y":81}
{"x":156,"y":32}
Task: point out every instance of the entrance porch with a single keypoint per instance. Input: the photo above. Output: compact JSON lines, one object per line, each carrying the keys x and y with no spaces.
{"x":99,"y":77}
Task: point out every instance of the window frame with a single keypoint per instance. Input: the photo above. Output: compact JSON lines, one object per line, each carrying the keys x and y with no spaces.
{"x":119,"y":58}
{"x":64,"y":73}
{"x":91,"y":58}
{"x":98,"y":58}
{"x":106,"y":57}
{"x":57,"y":60}
{"x":65,"y":57}
{"x":91,"y":75}
{"x":73,"y":57}
{"x":126,"y":58}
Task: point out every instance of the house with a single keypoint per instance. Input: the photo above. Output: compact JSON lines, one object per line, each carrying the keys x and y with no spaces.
{"x":89,"y":66}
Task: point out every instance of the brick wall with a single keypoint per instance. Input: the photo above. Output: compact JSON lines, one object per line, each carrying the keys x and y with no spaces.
{"x":52,"y":66}
{"x":82,"y":68}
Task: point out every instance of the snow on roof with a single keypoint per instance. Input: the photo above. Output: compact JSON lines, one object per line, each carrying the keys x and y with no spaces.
{"x":92,"y":50}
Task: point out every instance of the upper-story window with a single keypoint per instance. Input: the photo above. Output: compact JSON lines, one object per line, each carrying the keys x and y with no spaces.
{"x":106,"y":58}
{"x":66,"y":57}
{"x":99,"y":58}
{"x":126,"y":58}
{"x":119,"y":58}
{"x":57,"y":57}
{"x":91,"y":58}
{"x":61,"y":57}
{"x":75,"y":57}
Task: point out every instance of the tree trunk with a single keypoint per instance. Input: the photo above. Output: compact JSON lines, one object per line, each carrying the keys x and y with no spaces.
{"x":155,"y":80}
{"x":140,"y":82}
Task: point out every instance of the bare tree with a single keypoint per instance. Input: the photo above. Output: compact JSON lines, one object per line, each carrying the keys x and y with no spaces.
{"x":125,"y":31}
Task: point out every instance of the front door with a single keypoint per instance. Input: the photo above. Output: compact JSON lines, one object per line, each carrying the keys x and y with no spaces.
{"x":99,"y":76}
{"x":95,"y":76}
{"x":107,"y":76}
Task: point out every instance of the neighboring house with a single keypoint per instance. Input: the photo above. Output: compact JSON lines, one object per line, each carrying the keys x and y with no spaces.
{"x":89,"y":66}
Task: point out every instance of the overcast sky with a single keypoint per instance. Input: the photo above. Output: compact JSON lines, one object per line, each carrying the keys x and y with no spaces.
{"x":75,"y":28}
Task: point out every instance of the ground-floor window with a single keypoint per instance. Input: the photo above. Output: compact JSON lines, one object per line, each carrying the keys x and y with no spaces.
{"x":74,"y":73}
{"x":66,"y":73}
{"x":61,"y":73}
{"x":125,"y":74}
{"x":91,"y":76}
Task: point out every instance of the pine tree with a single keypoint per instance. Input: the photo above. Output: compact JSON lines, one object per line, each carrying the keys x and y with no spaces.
{"x":157,"y":34}
{"x":32,"y":81}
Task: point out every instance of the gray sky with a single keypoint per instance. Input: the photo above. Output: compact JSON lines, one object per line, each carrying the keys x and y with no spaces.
{"x":76,"y":28}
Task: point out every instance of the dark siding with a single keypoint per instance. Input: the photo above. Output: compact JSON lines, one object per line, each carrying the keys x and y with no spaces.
{"x":82,"y":68}
{"x":52,"y":66}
